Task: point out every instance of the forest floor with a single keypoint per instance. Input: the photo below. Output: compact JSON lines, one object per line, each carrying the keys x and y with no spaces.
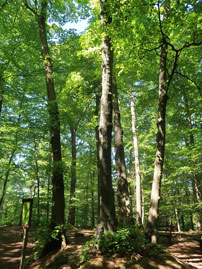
{"x":182,"y":253}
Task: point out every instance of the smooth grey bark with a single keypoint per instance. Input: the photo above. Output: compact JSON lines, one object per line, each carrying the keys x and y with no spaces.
{"x":160,"y":139}
{"x":125,"y":210}
{"x":139,"y":216}
{"x":151,"y":229}
{"x":177,"y":218}
{"x":107,"y":217}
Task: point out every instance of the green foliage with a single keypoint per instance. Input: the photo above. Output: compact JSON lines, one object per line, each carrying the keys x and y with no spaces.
{"x":86,"y":248}
{"x":43,"y":235}
{"x":152,"y":250}
{"x":126,"y":240}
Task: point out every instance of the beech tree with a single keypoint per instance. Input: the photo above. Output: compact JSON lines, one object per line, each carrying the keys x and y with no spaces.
{"x":39,"y":10}
{"x":107,"y":219}
{"x":164,"y":85}
{"x":139,"y":216}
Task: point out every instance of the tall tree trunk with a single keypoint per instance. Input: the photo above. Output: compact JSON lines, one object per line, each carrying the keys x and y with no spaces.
{"x":57,"y":179}
{"x":107,"y":218}
{"x":160,"y":140}
{"x":96,"y":113}
{"x":58,"y":205}
{"x":125,"y":211}
{"x":71,"y":216}
{"x":137,"y":166}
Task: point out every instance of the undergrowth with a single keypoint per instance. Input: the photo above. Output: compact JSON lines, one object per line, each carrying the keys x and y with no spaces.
{"x":127,"y":241}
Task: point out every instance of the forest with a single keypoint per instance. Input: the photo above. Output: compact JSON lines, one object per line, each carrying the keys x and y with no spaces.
{"x":102,"y":126}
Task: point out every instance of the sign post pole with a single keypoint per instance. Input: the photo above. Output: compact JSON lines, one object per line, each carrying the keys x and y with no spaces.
{"x":25,"y":221}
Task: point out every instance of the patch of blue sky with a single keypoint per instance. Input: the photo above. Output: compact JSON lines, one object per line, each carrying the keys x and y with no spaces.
{"x":79,"y":26}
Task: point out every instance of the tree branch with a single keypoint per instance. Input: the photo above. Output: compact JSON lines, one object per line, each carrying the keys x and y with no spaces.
{"x":188,"y":78}
{"x":3,"y":5}
{"x":173,"y":70}
{"x":84,"y":111}
{"x":30,"y":8}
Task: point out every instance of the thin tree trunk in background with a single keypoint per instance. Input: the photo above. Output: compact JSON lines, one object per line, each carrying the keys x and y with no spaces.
{"x":182,"y":221}
{"x":38,"y":181}
{"x":125,"y":211}
{"x":137,"y":166}
{"x":191,"y":221}
{"x":195,"y":177}
{"x":86,"y":201}
{"x":73,"y":131}
{"x":142,"y":192}
{"x":10,"y":162}
{"x":177,"y":218}
{"x":48,"y":203}
{"x":92,"y":201}
{"x":107,"y":218}
{"x":6,"y":178}
{"x":72,"y":209}
{"x":48,"y":189}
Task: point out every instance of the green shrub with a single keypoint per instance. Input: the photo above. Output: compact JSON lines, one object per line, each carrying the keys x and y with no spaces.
{"x":124,"y":241}
{"x":43,"y":235}
{"x":153,"y":249}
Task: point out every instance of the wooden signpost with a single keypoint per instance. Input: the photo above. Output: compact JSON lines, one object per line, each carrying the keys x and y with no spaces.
{"x":26,"y":215}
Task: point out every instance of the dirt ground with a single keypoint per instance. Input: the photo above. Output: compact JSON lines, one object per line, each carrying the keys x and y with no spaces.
{"x":10,"y":247}
{"x":187,"y":252}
